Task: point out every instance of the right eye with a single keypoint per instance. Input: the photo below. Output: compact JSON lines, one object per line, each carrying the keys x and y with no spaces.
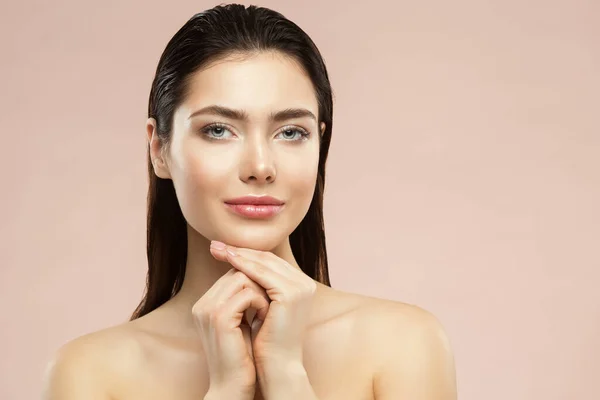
{"x":215,"y":131}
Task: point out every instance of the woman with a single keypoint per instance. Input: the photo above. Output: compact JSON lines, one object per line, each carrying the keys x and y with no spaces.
{"x":238,"y":302}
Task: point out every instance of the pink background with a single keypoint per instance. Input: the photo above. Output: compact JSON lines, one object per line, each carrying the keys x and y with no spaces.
{"x":464,"y":175}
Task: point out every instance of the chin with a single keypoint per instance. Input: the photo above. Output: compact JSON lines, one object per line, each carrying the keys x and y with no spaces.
{"x":262,"y":235}
{"x":252,"y":237}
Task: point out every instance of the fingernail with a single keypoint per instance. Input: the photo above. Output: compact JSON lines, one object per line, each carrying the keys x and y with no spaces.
{"x":217,"y":245}
{"x":231,"y":251}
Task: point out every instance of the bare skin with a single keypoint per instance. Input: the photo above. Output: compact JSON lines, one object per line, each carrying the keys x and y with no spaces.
{"x":355,"y":347}
{"x":159,"y":355}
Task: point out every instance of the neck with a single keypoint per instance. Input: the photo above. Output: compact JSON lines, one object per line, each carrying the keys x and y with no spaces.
{"x":203,"y":270}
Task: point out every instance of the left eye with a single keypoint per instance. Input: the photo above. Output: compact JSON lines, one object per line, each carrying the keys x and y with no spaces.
{"x":290,"y":133}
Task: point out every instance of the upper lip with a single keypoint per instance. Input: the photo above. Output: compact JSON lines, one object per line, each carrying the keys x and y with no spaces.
{"x":256,"y":200}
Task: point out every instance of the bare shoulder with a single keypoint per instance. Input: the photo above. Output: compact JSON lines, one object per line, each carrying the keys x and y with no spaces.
{"x":380,"y":316}
{"x":85,"y":366}
{"x":396,"y":319}
{"x":409,"y":349}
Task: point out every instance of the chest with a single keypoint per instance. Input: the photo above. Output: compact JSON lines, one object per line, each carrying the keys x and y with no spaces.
{"x":337,"y":366}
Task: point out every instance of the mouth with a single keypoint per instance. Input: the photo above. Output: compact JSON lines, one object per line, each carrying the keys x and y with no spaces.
{"x":255,"y":207}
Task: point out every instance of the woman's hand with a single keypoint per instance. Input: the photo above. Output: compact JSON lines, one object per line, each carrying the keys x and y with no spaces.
{"x":278,"y":341}
{"x":225,"y":334}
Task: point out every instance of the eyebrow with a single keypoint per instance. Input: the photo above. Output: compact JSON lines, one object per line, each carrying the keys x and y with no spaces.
{"x":242,"y":115}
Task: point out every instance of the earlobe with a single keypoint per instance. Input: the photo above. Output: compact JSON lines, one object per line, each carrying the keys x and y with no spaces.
{"x":160,"y":168}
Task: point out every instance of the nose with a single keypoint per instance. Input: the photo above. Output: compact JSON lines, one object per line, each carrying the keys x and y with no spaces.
{"x":258,"y":163}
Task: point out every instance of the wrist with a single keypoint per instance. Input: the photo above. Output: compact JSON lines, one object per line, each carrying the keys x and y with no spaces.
{"x":285,"y":378}
{"x":223,"y":394}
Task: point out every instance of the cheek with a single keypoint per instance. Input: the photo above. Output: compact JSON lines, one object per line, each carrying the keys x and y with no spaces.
{"x":304,"y":183}
{"x":198,"y":179}
{"x":204,"y":170}
{"x":200,"y":182}
{"x":301,"y":179}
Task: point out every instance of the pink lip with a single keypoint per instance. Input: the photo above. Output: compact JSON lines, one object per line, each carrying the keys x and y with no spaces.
{"x":256,"y":200}
{"x":255,"y":206}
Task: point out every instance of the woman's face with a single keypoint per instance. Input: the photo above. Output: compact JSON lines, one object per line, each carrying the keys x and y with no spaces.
{"x":255,"y":155}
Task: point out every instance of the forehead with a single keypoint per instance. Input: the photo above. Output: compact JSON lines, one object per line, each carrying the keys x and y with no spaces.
{"x":258,"y":83}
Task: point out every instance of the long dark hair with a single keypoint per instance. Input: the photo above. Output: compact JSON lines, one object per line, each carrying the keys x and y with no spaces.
{"x":208,"y":36}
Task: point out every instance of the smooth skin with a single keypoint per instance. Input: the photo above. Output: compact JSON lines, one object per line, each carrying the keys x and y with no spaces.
{"x":322,"y":343}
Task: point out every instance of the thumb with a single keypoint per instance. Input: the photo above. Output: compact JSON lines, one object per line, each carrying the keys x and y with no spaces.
{"x":247,"y":339}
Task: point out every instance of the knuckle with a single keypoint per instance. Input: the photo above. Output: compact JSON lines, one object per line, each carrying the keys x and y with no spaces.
{"x":264,"y":256}
{"x":201,"y":315}
{"x":198,"y":309}
{"x":246,"y":291}
{"x":214,"y":317}
{"x":259,"y":268}
{"x":240,"y":277}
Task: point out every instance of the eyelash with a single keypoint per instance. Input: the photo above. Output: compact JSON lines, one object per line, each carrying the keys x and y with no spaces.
{"x":303,"y":133}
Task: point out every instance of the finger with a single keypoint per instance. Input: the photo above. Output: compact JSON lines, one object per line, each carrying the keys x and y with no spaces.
{"x":270,"y":260}
{"x":232,"y":311}
{"x":255,"y":270}
{"x":266,"y":258}
{"x":219,"y":254}
{"x":247,"y":335}
{"x":293,"y":277}
{"x":234,"y":282}
{"x":221,"y":283}
{"x":230,"y":283}
{"x":273,"y":282}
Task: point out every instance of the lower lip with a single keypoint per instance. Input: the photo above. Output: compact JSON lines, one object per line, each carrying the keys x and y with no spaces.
{"x":255,"y":211}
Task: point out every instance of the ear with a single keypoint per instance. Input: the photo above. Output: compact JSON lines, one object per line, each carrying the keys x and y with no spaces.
{"x":156,"y":150}
{"x":322,"y":129}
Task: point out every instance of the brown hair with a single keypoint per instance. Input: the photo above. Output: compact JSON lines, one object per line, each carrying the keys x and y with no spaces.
{"x":207,"y":36}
